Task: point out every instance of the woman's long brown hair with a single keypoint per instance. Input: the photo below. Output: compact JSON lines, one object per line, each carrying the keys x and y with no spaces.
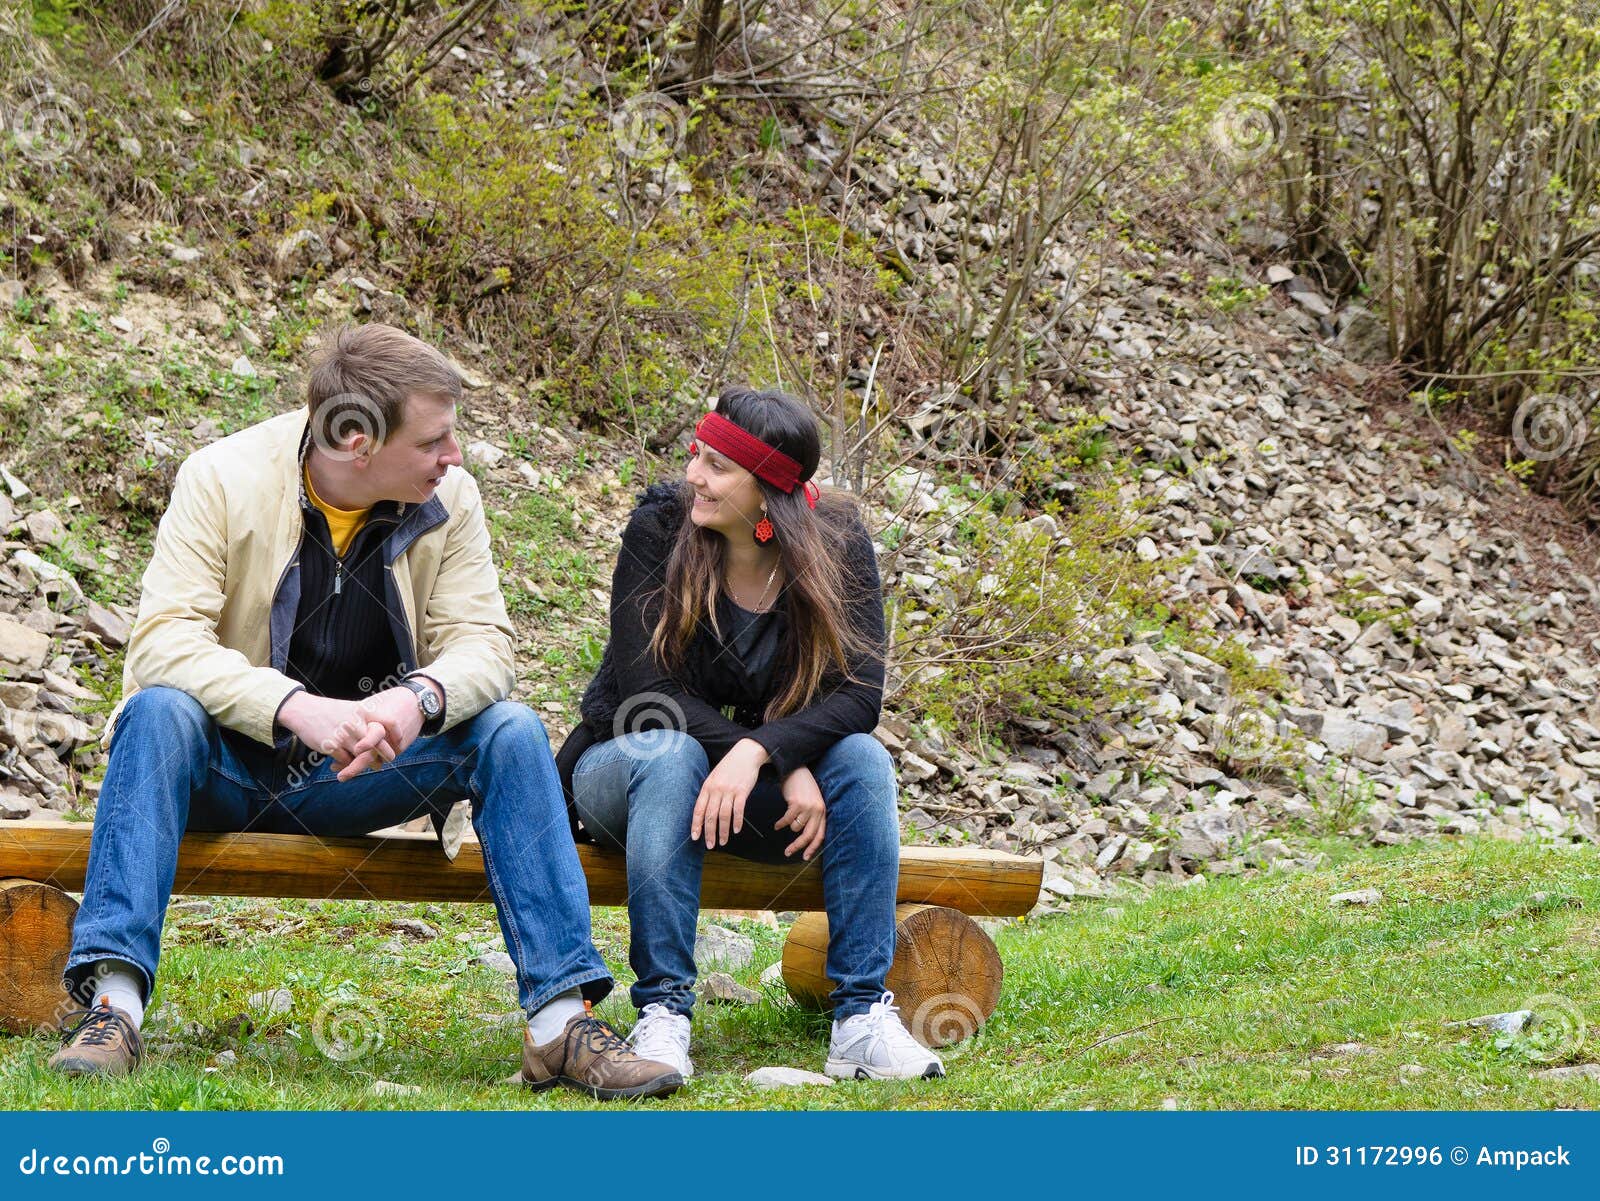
{"x":821,"y":640}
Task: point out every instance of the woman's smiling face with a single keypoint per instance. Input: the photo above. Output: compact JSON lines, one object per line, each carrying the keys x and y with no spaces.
{"x":727,"y":498}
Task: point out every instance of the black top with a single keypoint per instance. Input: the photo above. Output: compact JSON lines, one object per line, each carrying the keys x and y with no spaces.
{"x":740,"y":671}
{"x":343,"y":645}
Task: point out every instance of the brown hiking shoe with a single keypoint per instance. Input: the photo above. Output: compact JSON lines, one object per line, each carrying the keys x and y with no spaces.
{"x":592,"y":1057}
{"x":103,"y":1043}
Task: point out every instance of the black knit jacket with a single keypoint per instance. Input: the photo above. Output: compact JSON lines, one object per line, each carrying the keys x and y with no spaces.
{"x":628,"y":669}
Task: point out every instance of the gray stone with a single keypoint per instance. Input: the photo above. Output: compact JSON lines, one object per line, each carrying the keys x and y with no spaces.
{"x":44,"y":526}
{"x":1571,"y":1071}
{"x":1346,"y":736}
{"x":1513,"y":1022}
{"x":14,"y":807}
{"x":497,"y":961}
{"x":1359,"y":896}
{"x":414,"y":927}
{"x":1363,"y":338}
{"x":20,"y":647}
{"x":780,"y":1077}
{"x":272,"y":1002}
{"x":718,"y":946}
{"x":388,"y":1088}
{"x":719,"y":988}
{"x":485,"y":454}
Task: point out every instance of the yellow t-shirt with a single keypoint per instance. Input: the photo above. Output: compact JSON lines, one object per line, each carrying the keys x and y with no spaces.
{"x":343,"y":524}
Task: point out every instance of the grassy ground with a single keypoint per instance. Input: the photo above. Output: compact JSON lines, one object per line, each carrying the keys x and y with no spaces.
{"x":1235,"y":994}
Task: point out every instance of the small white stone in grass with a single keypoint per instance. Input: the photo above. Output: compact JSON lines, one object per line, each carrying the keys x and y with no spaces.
{"x":271,"y":1002}
{"x":388,"y":1088}
{"x":779,"y":1077}
{"x":243,"y":368}
{"x":497,"y":961}
{"x":719,"y":988}
{"x":1359,"y":896}
{"x":414,"y":927}
{"x":1512,"y":1022}
{"x":718,"y":946}
{"x":1572,"y":1071}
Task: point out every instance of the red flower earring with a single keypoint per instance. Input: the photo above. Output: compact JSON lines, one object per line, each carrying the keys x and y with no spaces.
{"x":764,"y":530}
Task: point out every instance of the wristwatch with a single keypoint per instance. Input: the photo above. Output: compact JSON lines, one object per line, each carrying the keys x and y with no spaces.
{"x":427,"y":699}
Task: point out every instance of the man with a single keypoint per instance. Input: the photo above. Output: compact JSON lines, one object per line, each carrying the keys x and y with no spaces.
{"x":322,"y":648}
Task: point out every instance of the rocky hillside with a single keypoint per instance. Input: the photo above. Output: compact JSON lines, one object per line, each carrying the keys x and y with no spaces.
{"x":1388,"y":637}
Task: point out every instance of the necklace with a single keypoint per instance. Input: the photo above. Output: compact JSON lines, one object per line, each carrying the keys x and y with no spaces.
{"x":762,"y":602}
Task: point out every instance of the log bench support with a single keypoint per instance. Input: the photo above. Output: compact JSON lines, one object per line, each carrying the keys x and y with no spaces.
{"x":35,"y":938}
{"x":946,"y":975}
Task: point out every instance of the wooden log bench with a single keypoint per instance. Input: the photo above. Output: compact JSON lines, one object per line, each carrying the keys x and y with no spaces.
{"x":946,"y":975}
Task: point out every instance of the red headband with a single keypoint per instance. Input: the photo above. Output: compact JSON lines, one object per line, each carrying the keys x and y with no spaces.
{"x":751,"y":453}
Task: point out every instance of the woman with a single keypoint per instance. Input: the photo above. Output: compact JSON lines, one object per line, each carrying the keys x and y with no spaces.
{"x":733,"y":711}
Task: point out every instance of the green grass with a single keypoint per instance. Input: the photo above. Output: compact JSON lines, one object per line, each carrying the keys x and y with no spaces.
{"x":1226,"y":995}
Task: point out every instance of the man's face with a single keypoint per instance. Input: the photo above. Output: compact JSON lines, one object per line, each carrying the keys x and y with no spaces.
{"x":413,"y":459}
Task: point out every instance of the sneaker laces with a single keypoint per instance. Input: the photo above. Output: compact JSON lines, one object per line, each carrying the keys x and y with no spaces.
{"x":882,"y":1023}
{"x":656,"y":1030}
{"x":597,"y":1035}
{"x":102,"y":1026}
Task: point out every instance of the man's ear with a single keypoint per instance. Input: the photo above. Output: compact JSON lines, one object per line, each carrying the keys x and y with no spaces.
{"x":361,"y":447}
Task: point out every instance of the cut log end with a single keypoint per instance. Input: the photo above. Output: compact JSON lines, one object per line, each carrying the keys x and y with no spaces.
{"x":946,"y":974}
{"x":35,"y":939}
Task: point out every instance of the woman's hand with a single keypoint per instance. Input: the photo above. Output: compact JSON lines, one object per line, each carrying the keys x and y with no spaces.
{"x":806,"y":815}
{"x":719,"y":809}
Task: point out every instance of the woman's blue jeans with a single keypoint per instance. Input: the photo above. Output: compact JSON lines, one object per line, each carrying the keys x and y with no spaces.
{"x":174,"y":769}
{"x":636,"y":794}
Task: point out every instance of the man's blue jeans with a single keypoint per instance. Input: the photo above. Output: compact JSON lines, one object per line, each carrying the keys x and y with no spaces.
{"x":636,"y":794}
{"x":173,"y":769}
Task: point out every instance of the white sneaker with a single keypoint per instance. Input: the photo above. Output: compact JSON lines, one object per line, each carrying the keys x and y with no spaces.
{"x":876,"y":1046}
{"x":663,"y":1036}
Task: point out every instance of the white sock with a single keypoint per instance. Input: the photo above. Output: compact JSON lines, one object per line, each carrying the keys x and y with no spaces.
{"x":546,"y":1025}
{"x":118,"y":984}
